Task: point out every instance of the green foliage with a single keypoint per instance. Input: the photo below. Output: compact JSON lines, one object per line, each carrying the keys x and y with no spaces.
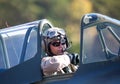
{"x":107,"y":7}
{"x":59,"y":12}
{"x":7,"y":15}
{"x":75,"y":48}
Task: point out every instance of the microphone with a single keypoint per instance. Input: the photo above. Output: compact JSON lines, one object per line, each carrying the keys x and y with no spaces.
{"x":64,"y":49}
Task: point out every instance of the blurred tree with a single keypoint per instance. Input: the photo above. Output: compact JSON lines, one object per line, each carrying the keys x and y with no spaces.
{"x":60,"y":12}
{"x":77,"y":8}
{"x":27,"y":8}
{"x":9,"y":14}
{"x":107,"y":7}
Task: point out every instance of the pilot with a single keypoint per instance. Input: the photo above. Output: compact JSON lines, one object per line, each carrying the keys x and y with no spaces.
{"x":57,"y":60}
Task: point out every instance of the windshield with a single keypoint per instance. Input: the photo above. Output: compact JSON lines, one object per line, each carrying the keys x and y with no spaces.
{"x":17,"y":42}
{"x":14,"y":41}
{"x":100,"y":44}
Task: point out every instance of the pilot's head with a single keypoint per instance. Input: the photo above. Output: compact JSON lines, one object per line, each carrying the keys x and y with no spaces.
{"x":55,"y":41}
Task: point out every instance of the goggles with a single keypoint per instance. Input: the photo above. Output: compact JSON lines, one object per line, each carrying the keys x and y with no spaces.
{"x":52,"y":34}
{"x":56,"y":44}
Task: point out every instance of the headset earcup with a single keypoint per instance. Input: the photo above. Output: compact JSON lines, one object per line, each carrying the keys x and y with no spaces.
{"x":68,"y":43}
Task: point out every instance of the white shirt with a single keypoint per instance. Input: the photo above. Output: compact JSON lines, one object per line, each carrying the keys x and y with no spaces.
{"x":53,"y":64}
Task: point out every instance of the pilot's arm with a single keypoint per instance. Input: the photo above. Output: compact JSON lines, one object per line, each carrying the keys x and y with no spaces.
{"x":54,"y":64}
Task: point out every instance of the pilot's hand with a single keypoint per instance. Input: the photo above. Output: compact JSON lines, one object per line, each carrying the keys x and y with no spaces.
{"x":74,"y":58}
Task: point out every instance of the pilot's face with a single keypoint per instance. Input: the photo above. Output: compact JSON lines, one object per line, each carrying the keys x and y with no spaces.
{"x":57,"y":48}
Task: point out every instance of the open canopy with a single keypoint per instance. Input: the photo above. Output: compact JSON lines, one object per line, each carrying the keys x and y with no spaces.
{"x":100,"y":38}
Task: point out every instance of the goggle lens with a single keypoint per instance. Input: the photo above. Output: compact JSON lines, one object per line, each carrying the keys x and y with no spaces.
{"x":56,"y":44}
{"x":52,"y":34}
